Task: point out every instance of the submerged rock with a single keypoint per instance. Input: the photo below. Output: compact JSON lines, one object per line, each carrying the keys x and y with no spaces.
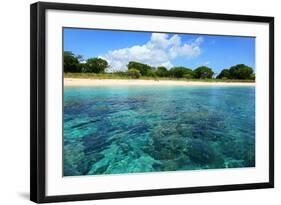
{"x":166,"y":143}
{"x":200,"y":152}
{"x":95,"y":143}
{"x":73,"y":165}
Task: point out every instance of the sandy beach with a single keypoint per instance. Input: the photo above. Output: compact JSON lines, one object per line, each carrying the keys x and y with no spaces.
{"x":126,"y":82}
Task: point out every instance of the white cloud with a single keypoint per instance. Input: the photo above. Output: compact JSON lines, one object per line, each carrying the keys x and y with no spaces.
{"x":158,"y":51}
{"x":198,"y":41}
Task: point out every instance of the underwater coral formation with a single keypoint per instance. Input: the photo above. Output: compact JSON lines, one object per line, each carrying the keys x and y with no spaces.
{"x":114,"y":130}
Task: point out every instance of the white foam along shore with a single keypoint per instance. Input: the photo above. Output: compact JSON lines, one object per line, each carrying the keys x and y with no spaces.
{"x":131,"y":82}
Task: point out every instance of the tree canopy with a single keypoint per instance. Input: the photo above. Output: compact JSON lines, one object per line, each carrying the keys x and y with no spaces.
{"x":143,"y":68}
{"x":239,"y":71}
{"x":75,"y":63}
{"x":224,"y":74}
{"x":162,"y":71}
{"x":71,"y":62}
{"x":179,"y":72}
{"x":134,"y":73}
{"x":95,"y":65}
{"x":203,"y":72}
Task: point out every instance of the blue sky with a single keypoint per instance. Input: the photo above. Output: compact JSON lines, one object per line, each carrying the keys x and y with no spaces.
{"x":189,"y":50}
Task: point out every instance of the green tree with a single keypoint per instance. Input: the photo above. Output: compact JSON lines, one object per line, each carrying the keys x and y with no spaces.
{"x":134,"y":73}
{"x":162,"y":71}
{"x":240,"y":71}
{"x":95,"y":65}
{"x":188,"y":76}
{"x":70,"y":62}
{"x":143,"y":68}
{"x":122,"y":74}
{"x":253,"y":76}
{"x":179,"y":72}
{"x":84,"y":67}
{"x":224,"y":74}
{"x":203,"y":72}
{"x":151,"y":73}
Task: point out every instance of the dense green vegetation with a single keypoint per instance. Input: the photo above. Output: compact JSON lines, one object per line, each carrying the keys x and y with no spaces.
{"x":162,"y":71}
{"x":239,"y":71}
{"x":71,"y":62}
{"x":96,"y":67}
{"x":203,"y":72}
{"x":134,"y":73}
{"x":180,"y":72}
{"x":144,"y":69}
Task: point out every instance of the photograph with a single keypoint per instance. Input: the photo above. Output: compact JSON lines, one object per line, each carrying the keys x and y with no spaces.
{"x":134,"y":102}
{"x":142,"y":101}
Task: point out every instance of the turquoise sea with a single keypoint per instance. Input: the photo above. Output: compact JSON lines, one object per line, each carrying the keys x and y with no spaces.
{"x":114,"y":130}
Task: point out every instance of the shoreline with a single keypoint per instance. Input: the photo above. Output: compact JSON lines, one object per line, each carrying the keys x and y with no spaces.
{"x":74,"y":82}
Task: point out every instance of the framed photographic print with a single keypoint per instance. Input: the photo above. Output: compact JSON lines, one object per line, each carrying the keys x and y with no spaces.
{"x":129,"y":102}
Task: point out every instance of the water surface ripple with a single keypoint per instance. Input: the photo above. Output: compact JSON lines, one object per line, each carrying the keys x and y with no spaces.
{"x":114,"y":130}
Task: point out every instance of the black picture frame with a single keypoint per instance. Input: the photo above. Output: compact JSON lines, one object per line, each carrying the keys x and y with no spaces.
{"x":38,"y":101}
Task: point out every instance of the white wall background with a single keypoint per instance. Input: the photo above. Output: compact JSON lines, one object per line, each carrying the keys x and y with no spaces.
{"x":14,"y":100}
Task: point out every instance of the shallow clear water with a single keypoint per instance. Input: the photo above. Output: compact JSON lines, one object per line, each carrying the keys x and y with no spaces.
{"x":113,"y":130}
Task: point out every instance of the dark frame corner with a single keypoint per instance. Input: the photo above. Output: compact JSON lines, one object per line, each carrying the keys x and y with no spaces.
{"x":37,"y":100}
